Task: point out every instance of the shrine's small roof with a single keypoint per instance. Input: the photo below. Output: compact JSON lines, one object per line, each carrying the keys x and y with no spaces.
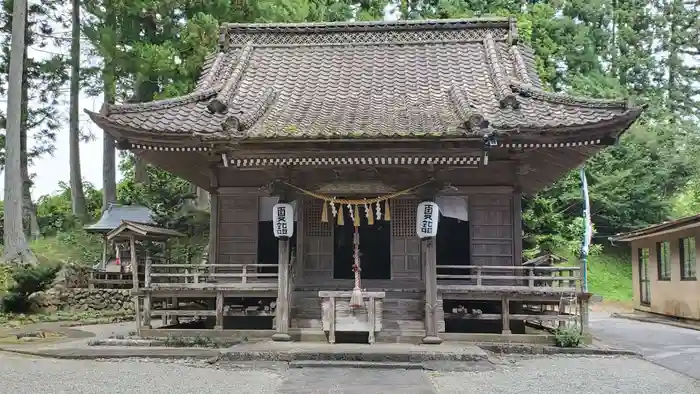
{"x":116,"y":214}
{"x":442,"y":78}
{"x":142,"y":230}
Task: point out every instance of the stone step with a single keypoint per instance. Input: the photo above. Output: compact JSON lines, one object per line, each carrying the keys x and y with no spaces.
{"x":355,"y":364}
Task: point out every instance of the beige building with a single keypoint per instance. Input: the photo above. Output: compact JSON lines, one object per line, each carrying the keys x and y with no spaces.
{"x":664,"y":267}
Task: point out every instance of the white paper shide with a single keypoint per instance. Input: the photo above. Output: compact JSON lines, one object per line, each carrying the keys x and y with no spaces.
{"x":283,"y":220}
{"x":427,"y":219}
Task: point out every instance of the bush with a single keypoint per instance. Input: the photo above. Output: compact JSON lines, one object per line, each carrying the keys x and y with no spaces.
{"x":5,"y":278}
{"x":568,"y":336}
{"x":26,"y":280}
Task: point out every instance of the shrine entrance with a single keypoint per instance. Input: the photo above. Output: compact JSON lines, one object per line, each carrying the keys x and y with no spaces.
{"x":374,"y":246}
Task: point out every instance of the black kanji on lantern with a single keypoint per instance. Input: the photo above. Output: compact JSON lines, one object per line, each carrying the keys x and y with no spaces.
{"x":427,"y":222}
{"x":282,"y":229}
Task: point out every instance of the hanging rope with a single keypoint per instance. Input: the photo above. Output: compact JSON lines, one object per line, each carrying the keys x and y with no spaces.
{"x":363,"y":201}
{"x":353,"y":206}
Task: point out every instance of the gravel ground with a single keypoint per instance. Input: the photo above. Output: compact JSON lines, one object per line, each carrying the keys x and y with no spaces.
{"x":556,"y":375}
{"x":575,"y":375}
{"x":19,"y":375}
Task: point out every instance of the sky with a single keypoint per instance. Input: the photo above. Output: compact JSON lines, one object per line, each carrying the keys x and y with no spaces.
{"x":49,"y":170}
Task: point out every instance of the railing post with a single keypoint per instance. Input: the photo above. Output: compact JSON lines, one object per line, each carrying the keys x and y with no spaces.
{"x":478,"y":275}
{"x":531,"y":280}
{"x":219,"y":325}
{"x":244,"y":274}
{"x":147,"y":273}
{"x":91,"y":280}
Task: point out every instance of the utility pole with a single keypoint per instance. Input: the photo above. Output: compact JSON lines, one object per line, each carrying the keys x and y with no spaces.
{"x":16,"y":248}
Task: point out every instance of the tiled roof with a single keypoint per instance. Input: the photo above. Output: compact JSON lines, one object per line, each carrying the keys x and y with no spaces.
{"x":116,"y":214}
{"x":367,"y":80}
{"x":143,"y":230}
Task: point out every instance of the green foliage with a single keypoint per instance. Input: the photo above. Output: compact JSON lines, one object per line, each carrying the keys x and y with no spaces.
{"x":27,"y":279}
{"x":609,"y":272}
{"x":54,"y":212}
{"x":569,"y":336}
{"x":5,"y":279}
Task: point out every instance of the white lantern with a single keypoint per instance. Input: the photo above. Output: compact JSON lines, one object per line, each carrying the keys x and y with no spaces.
{"x":427,"y":219}
{"x":283,"y":220}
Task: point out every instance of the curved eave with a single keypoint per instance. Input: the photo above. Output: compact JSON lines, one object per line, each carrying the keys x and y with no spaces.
{"x":615,"y":125}
{"x":121,"y":131}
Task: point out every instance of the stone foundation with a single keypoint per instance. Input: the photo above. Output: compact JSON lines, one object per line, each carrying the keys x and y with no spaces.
{"x":83,"y":300}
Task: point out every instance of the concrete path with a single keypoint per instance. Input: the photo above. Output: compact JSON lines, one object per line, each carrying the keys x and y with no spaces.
{"x":549,"y":375}
{"x":672,"y":347}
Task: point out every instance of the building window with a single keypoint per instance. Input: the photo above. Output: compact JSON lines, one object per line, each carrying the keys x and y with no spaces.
{"x":644,"y":283}
{"x":687,"y":252}
{"x":663,"y":260}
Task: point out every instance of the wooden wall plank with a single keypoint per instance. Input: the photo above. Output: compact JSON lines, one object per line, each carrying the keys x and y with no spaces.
{"x":238,"y":228}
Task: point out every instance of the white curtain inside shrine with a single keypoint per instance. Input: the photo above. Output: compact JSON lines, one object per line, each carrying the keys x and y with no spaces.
{"x":453,"y":207}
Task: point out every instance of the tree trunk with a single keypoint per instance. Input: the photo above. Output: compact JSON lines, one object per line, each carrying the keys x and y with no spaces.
{"x":109,"y":166}
{"x":140,"y":170}
{"x":202,"y":199}
{"x":76,"y":180}
{"x":16,"y":247}
{"x":30,"y":223}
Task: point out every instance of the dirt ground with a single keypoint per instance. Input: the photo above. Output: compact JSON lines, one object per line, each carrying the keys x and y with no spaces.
{"x":609,"y":306}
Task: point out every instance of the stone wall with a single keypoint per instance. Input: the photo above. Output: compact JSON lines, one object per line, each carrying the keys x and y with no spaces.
{"x":83,"y":300}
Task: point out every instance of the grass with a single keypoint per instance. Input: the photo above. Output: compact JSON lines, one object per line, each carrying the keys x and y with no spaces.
{"x":609,"y":274}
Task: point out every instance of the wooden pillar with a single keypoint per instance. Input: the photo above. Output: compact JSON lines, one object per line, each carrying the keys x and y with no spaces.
{"x":135,"y":279}
{"x":219,"y":311}
{"x":583,"y":306}
{"x":282,"y":309}
{"x":505,"y":315}
{"x":176,"y":305}
{"x":104,"y":253}
{"x":214,"y":230}
{"x":147,"y":299}
{"x":431,"y":304}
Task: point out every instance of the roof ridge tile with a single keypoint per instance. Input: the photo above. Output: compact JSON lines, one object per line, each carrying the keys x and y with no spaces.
{"x":220,"y":103}
{"x":505,"y":95}
{"x":460,"y":105}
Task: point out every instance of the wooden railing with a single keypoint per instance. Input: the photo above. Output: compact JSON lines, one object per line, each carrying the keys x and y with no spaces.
{"x":112,"y":280}
{"x":166,"y":275}
{"x":523,"y":276}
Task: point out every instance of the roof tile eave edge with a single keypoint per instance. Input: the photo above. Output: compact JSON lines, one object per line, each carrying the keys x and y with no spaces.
{"x":652,"y":230}
{"x":619,"y":123}
{"x":530,"y":91}
{"x":189,"y":98}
